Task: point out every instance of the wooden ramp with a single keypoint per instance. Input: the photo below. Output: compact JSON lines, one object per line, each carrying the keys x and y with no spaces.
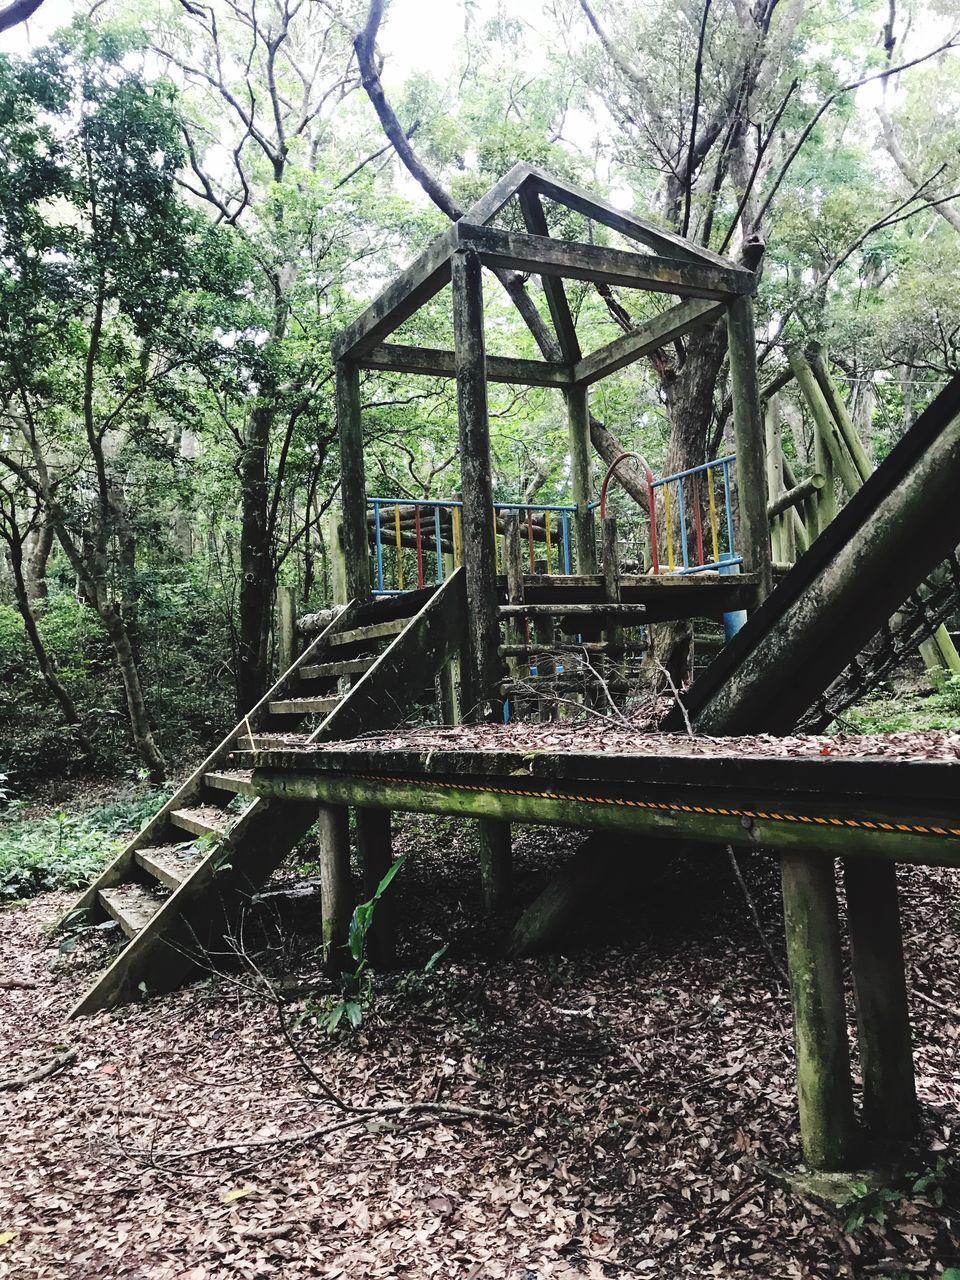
{"x":179,"y":886}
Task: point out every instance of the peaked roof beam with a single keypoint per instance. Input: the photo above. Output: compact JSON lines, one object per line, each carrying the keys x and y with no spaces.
{"x":536,"y":223}
{"x":648,"y":233}
{"x":424,"y":278}
{"x":648,"y":336}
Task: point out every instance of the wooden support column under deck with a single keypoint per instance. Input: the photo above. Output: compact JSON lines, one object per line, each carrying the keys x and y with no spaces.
{"x":578,"y":419}
{"x":883,"y":1015}
{"x":353,"y":489}
{"x":480,"y":670}
{"x":748,"y":429}
{"x":824,"y":1087}
{"x":375,"y":846}
{"x":335,"y":905}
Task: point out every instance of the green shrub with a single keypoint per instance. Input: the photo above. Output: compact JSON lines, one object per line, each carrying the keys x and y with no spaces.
{"x":59,"y":851}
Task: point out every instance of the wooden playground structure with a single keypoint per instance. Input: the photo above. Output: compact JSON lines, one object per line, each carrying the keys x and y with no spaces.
{"x":502,"y":606}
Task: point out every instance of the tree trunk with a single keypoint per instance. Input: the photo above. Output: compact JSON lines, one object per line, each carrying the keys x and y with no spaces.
{"x":147,"y":748}
{"x":689,"y":393}
{"x":37,"y":548}
{"x":256,"y":568}
{"x":45,"y":663}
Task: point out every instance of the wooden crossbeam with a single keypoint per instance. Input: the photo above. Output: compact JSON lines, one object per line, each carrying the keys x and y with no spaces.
{"x":649,"y":336}
{"x":396,"y":358}
{"x":576,"y":261}
{"x":778,"y":816}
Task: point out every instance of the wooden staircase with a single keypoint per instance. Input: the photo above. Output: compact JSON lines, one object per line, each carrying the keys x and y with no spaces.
{"x":179,"y":886}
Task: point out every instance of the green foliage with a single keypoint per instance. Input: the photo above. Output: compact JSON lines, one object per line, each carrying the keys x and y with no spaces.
{"x":357,"y":989}
{"x":65,"y":852}
{"x":885,"y":713}
{"x":868,"y":1204}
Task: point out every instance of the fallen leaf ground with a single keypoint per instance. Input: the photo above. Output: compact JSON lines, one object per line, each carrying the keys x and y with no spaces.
{"x":646,"y":1071}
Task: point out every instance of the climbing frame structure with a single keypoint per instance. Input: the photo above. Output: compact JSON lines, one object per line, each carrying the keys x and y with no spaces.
{"x":889,"y":554}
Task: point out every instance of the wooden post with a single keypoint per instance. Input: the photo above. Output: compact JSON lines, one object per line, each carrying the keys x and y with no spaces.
{"x":479,"y":676}
{"x":748,"y":430}
{"x":828,"y":432}
{"x":774,"y":453}
{"x":578,"y":419}
{"x":336,"y":907}
{"x":513,"y":567}
{"x":819,"y":1016}
{"x":496,"y":862}
{"x":332,"y":525}
{"x":883,"y":1015}
{"x":479,"y":671}
{"x":375,"y":846}
{"x":353,"y":489}
{"x":447,"y":679}
{"x":800,"y":524}
{"x":850,"y":434}
{"x":286,"y":626}
{"x":826,"y":501}
{"x":611,"y":592}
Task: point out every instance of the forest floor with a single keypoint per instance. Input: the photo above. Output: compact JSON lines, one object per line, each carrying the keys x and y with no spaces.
{"x":633,"y":1084}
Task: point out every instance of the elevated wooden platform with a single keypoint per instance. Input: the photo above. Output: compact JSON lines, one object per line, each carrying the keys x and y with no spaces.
{"x":661,"y":597}
{"x":902,"y":810}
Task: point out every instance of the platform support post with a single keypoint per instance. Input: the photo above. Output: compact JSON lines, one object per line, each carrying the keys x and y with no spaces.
{"x":883,"y":1015}
{"x":578,"y":420}
{"x":824,"y":1087}
{"x":479,"y":671}
{"x":375,"y":846}
{"x":748,"y":430}
{"x":353,"y":489}
{"x":496,"y":862}
{"x":335,"y":904}
{"x":286,"y":626}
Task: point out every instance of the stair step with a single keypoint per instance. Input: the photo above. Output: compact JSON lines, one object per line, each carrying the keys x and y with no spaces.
{"x":376,"y":631}
{"x":267,"y":741}
{"x":235,"y":780}
{"x":303,"y":706}
{"x":132,"y":906}
{"x":205,"y":820}
{"x":169,"y":864}
{"x":599,"y":611}
{"x":328,"y":670}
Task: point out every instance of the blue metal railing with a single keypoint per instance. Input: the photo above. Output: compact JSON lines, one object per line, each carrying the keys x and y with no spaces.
{"x":697,"y":514}
{"x":410,"y":533}
{"x":419,"y":539}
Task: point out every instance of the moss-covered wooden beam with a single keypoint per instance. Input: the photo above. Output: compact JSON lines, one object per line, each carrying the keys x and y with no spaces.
{"x":573,"y":260}
{"x":649,"y":335}
{"x":862,"y":780}
{"x":396,"y":358}
{"x":716,"y":819}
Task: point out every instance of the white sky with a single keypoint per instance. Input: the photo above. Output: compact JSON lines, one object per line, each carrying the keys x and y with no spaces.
{"x":420,"y":35}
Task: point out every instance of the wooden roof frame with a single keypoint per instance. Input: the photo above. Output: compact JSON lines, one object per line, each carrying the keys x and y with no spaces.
{"x":707,"y":287}
{"x":705,"y":282}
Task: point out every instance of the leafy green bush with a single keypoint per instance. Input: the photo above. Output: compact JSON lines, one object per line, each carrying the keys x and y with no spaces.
{"x":59,"y":851}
